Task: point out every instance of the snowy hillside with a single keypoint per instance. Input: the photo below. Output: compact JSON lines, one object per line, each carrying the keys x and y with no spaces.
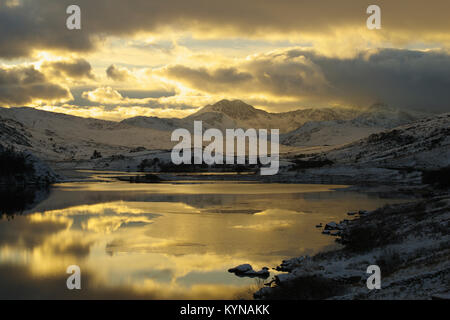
{"x":227,"y":114}
{"x":339,"y":132}
{"x":395,"y":156}
{"x":155,"y":123}
{"x":328,"y":133}
{"x":421,"y":144}
{"x":58,"y":137}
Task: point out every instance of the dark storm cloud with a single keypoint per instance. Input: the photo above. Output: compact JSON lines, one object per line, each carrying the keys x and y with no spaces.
{"x":38,"y":24}
{"x":22,"y":85}
{"x":402,"y":78}
{"x":75,"y":69}
{"x":414,"y":79}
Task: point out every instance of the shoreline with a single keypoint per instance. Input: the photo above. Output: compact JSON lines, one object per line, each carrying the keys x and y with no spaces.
{"x":400,"y":238}
{"x":403,"y":239}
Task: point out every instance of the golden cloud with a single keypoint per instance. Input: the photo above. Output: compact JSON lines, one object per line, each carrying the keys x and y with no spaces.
{"x":32,"y":25}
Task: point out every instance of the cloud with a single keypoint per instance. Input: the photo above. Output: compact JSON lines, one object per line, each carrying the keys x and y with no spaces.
{"x":107,"y":96}
{"x":217,"y":80}
{"x":36,"y":25}
{"x":118,"y":73}
{"x":20,"y":85}
{"x":278,"y":80}
{"x":402,"y":78}
{"x":40,"y":24}
{"x":179,"y":55}
{"x":74,"y":69}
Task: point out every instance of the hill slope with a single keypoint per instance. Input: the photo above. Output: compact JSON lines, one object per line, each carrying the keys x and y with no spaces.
{"x":339,"y":132}
{"x":55,"y":136}
{"x":423,"y":144}
{"x":60,"y":137}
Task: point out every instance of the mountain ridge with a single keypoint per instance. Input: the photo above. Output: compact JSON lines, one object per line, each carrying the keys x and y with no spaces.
{"x":238,"y":114}
{"x":62,"y":137}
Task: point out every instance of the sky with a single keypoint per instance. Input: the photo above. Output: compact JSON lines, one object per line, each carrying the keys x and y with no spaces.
{"x":167,"y":58}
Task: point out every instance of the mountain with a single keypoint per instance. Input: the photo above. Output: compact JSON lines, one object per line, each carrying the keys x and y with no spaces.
{"x":375,"y":119}
{"x":227,"y":114}
{"x":381,"y":115}
{"x":423,"y":144}
{"x":238,"y":114}
{"x":59,"y":137}
{"x":403,"y":155}
{"x":163,"y":124}
{"x":235,"y":109}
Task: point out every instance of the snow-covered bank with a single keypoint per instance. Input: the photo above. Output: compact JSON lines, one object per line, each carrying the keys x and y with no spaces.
{"x":23,"y":168}
{"x":409,"y":242}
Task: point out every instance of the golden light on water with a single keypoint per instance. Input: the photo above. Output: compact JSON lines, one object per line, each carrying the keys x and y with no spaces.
{"x":180,"y":242}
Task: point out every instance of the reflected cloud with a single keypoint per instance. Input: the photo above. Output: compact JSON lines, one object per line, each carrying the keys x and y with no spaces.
{"x":165,"y":241}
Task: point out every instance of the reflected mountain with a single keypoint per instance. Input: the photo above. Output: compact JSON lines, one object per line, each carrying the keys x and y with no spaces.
{"x":163,"y":240}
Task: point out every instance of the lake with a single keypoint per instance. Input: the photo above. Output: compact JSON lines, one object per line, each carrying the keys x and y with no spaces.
{"x":163,"y":241}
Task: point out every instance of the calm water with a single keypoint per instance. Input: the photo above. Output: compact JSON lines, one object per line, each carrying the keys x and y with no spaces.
{"x":164,"y":241}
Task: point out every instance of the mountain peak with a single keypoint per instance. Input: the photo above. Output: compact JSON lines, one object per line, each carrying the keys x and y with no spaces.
{"x":235,"y":109}
{"x":224,"y":105}
{"x":226,"y":102}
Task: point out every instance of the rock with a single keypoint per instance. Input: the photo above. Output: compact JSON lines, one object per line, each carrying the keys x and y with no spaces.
{"x":331,"y":226}
{"x":289,"y":265}
{"x":241,"y":269}
{"x":363,"y":212}
{"x":280,"y":279}
{"x":326,"y":232}
{"x":246,"y":270}
{"x":352,"y":213}
{"x":263,"y":273}
{"x":319,"y":226}
{"x":261,"y":293}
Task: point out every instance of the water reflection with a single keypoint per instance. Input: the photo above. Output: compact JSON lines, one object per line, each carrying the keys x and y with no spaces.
{"x":164,"y":241}
{"x":15,"y":200}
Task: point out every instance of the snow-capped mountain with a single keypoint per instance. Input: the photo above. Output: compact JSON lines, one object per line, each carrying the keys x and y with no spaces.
{"x":227,"y":114}
{"x":381,"y":115}
{"x":238,"y":114}
{"x":58,"y":137}
{"x":61,"y":137}
{"x":423,"y":144}
{"x":235,"y":109}
{"x":328,"y":133}
{"x":338,"y":132}
{"x":395,"y":156}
